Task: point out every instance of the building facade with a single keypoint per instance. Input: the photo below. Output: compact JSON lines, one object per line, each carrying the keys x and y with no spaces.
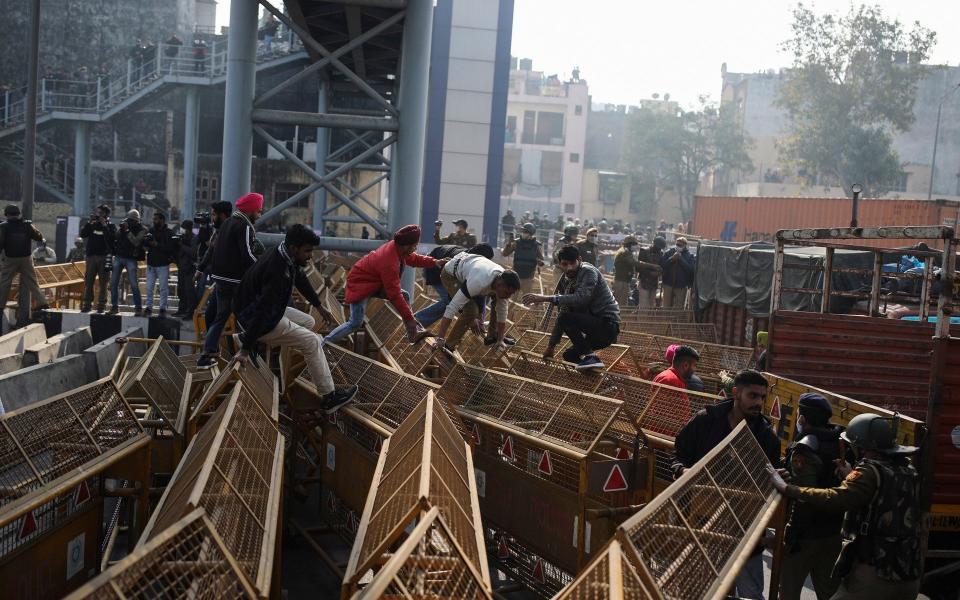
{"x":545,"y":142}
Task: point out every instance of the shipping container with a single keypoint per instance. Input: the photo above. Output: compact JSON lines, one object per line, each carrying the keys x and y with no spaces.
{"x":756,"y":219}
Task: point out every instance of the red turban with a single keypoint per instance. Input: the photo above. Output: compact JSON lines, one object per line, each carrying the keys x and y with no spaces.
{"x":250,"y":203}
{"x":407,"y":235}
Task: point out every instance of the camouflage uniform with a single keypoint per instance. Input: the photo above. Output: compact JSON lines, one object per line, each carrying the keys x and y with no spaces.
{"x":812,"y":536}
{"x":881,"y":555}
{"x":467,"y":240}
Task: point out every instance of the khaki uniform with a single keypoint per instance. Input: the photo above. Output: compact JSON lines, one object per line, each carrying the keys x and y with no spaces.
{"x":467,"y":240}
{"x":862,"y":580}
{"x":813,"y":556}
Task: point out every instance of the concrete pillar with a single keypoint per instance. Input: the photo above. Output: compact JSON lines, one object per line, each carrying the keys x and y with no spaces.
{"x":81,"y":169}
{"x":323,"y":150}
{"x":191,"y":132}
{"x":238,"y":101}
{"x":406,"y":182}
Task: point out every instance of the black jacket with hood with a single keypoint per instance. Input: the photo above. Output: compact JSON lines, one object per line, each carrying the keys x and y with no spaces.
{"x":236,"y":249}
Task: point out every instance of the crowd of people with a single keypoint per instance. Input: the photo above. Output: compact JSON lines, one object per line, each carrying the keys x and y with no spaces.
{"x":872,"y":551}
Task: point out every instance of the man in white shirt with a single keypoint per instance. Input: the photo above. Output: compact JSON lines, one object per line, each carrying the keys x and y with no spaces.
{"x":470,"y":278}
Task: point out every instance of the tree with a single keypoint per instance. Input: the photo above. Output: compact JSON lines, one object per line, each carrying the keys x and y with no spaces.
{"x":850,"y":89}
{"x":673,"y":151}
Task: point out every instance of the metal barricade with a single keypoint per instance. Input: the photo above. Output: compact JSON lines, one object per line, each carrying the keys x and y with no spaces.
{"x":59,"y":454}
{"x":232,"y":469}
{"x":189,"y":559}
{"x":424,"y":479}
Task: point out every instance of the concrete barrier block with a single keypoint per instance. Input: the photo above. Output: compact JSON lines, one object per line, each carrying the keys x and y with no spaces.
{"x":18,"y":340}
{"x":10,"y":362}
{"x":105,"y":353}
{"x":75,"y":342}
{"x":39,"y":382}
{"x":44,"y":352}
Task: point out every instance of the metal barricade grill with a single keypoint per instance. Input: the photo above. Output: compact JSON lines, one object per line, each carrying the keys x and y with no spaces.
{"x":687,"y":540}
{"x":523,"y":563}
{"x":329,"y":301}
{"x":232,"y":469}
{"x":259,"y":381}
{"x":425,"y":477}
{"x":704,"y":332}
{"x":668,"y":315}
{"x":158,"y":378}
{"x":52,"y":439}
{"x":609,"y":576}
{"x":385,"y":394}
{"x":650,"y":348}
{"x":188,"y":560}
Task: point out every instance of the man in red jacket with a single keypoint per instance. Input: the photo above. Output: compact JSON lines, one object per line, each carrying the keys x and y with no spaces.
{"x":378,"y":274}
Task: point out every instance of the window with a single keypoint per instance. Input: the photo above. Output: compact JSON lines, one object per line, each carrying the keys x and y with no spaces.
{"x":550,"y":128}
{"x":208,"y":189}
{"x":578,"y":110}
{"x":574,"y":157}
{"x":529,"y":127}
{"x":511,"y":133}
{"x":569,"y":208}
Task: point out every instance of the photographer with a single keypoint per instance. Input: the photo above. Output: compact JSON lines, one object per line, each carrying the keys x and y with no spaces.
{"x":185,"y":270}
{"x":99,"y":234}
{"x":128,"y":249}
{"x":160,"y":253}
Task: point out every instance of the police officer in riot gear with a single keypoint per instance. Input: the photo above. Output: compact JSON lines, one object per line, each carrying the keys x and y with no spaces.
{"x":16,"y":242}
{"x":812,"y":535}
{"x":527,"y":256}
{"x":570,"y":234}
{"x":881,"y":554}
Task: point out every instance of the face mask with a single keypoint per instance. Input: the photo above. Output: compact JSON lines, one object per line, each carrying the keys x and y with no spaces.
{"x":592,"y":239}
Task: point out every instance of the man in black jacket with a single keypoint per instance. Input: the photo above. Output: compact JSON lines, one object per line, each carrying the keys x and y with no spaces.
{"x":709,"y":427}
{"x":185,"y":257}
{"x":261,"y":304}
{"x":160,"y":253}
{"x":99,"y":233}
{"x":235,"y":251}
{"x":16,"y":242}
{"x":127,"y":249}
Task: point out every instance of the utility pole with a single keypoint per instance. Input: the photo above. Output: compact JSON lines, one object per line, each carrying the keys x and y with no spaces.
{"x":30,"y":112}
{"x":936,"y":139}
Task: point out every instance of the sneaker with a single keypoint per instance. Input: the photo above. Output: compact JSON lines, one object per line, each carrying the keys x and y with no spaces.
{"x":86,"y":309}
{"x":114,"y":311}
{"x":147,"y":312}
{"x":206,"y":362}
{"x":101,"y":310}
{"x":492,"y":339}
{"x":338,"y":397}
{"x":589,"y":362}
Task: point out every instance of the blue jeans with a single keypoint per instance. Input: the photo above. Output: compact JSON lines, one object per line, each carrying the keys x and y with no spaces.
{"x":162,"y":274}
{"x":224,"y":295}
{"x":431,"y":314}
{"x":355,"y":323}
{"x":119,"y":264}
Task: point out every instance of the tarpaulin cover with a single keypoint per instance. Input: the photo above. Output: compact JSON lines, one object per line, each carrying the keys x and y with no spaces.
{"x":741,"y":275}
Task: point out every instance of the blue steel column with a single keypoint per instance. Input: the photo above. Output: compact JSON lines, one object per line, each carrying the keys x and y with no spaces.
{"x":406,"y":181}
{"x":191,"y":132}
{"x":323,"y":149}
{"x":81,"y":169}
{"x":238,"y":101}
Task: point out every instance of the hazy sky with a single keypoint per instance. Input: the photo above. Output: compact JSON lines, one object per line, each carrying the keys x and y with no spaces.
{"x":630,"y":49}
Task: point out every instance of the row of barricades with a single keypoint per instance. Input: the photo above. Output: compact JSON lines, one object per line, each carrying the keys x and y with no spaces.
{"x":75,"y":464}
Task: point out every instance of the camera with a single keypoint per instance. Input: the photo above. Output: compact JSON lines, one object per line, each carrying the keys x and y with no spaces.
{"x":202,"y":219}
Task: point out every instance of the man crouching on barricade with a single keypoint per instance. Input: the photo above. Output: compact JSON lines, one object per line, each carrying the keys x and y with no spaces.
{"x":261,"y":307}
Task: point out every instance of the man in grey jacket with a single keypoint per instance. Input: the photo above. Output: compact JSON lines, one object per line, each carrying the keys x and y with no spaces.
{"x":589,"y":314}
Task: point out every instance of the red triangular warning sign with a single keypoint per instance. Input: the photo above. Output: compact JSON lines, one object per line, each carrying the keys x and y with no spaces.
{"x":546,"y":465}
{"x":28,"y":526}
{"x":615,"y":482}
{"x":82,"y":493}
{"x":503,"y":551}
{"x":507,"y":449}
{"x":623,"y":454}
{"x":476,"y":435}
{"x":775,"y":409}
{"x":538,"y":573}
